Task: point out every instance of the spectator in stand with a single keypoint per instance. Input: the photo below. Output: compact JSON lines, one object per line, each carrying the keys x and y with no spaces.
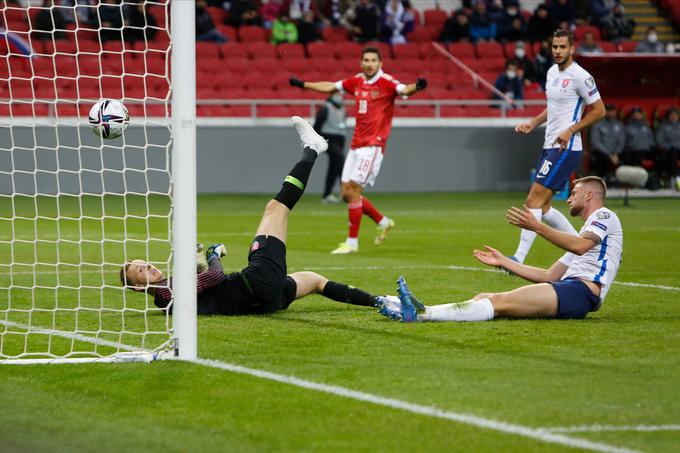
{"x":668,"y":142}
{"x":456,"y":28}
{"x":243,"y":12}
{"x":49,"y":23}
{"x":601,"y":12}
{"x":562,"y":11}
{"x":651,"y":43}
{"x":308,"y":29}
{"x":639,"y":139}
{"x":393,"y":23}
{"x":525,"y":67}
{"x":589,"y":45}
{"x":619,"y":28}
{"x":269,"y":11}
{"x":607,"y":139}
{"x":517,"y":31}
{"x":138,"y":22}
{"x":85,"y":12}
{"x":509,"y":82}
{"x":482,"y":27}
{"x":366,"y":21}
{"x":495,"y":10}
{"x":542,"y":63}
{"x":297,"y":8}
{"x":409,"y":18}
{"x":205,"y":28}
{"x":284,"y":30}
{"x":111,"y":20}
{"x":541,"y":25}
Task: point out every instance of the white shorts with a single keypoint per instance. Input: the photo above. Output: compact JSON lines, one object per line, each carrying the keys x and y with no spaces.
{"x":362,"y":165}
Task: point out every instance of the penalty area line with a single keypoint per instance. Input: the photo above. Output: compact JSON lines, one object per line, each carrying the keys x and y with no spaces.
{"x":429,"y":411}
{"x":610,"y":428}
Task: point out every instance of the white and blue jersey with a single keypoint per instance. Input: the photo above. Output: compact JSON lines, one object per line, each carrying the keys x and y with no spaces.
{"x":601,"y":263}
{"x":567,"y":92}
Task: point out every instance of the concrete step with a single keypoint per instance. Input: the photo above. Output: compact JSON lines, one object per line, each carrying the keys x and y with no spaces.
{"x":646,"y":11}
{"x":635,"y":3}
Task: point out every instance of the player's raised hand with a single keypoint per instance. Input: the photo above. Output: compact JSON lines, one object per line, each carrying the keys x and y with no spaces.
{"x":563,"y":139}
{"x":421,"y":84}
{"x":489,"y":256}
{"x":215,"y":251}
{"x":524,"y":128}
{"x":522,"y":218}
{"x":295,"y":82}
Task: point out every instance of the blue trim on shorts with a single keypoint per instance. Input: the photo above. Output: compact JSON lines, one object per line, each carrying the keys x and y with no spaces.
{"x":574,"y":299}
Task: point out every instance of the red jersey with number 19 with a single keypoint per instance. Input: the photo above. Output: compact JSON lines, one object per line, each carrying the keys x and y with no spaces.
{"x":374,"y":102}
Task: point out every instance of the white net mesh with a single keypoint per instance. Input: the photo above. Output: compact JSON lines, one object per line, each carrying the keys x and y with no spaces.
{"x":73,"y":206}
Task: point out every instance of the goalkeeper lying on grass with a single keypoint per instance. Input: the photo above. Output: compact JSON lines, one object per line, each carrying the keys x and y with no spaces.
{"x":262,"y":286}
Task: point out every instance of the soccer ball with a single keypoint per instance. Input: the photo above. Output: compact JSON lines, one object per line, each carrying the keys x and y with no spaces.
{"x":109,"y":118}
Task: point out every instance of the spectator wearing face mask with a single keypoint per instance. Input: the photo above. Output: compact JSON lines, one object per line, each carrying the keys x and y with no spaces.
{"x":509,"y":82}
{"x":618,"y":28}
{"x":525,"y":66}
{"x":651,"y":43}
{"x":512,"y":26}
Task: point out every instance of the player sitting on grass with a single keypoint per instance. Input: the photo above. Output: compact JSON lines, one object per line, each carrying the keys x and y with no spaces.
{"x":573,"y":286}
{"x":263,"y":286}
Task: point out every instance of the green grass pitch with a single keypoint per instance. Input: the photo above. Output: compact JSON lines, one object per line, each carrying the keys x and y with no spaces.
{"x":620,"y":367}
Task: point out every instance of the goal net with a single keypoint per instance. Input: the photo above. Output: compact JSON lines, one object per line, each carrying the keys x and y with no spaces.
{"x":74,"y":207}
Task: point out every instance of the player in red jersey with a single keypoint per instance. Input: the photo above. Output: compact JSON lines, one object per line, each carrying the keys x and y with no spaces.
{"x":374,"y":93}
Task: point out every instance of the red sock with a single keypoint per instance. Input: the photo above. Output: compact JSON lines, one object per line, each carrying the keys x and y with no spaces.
{"x":370,"y":210}
{"x":354,"y":211}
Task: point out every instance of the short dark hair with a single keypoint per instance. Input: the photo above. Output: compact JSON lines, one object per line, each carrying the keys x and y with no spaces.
{"x":559,"y":33}
{"x":593,"y":179}
{"x":370,"y":49}
{"x":123,"y":274}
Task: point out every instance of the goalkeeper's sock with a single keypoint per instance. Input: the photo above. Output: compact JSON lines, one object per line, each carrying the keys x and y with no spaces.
{"x":526,"y":238}
{"x":347,"y":294}
{"x":557,"y":220}
{"x":370,"y":210}
{"x":354,"y":212}
{"x":294,"y":185}
{"x":471,"y":310}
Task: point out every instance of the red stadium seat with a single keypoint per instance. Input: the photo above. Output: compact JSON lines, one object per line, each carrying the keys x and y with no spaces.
{"x":335,"y":34}
{"x":509,"y":48}
{"x":209,"y":50}
{"x":435,"y":17}
{"x":234,"y":50}
{"x":264,"y":65}
{"x":424,"y":34}
{"x":322,"y":64}
{"x":414,"y":111}
{"x":294,"y":65}
{"x":583,"y":29}
{"x":216,"y":14}
{"x":528,"y":111}
{"x":490,"y":64}
{"x":228,"y":31}
{"x":489,"y":50}
{"x":288,"y":50}
{"x":385,"y":50}
{"x":408,"y":50}
{"x":225,"y":80}
{"x":320,"y":49}
{"x":252,"y":33}
{"x":627,"y":46}
{"x":158,"y":12}
{"x":348,"y":50}
{"x":278,"y":111}
{"x":607,"y":46}
{"x":237,"y":65}
{"x":260,"y":81}
{"x":448,"y":111}
{"x":259,"y":49}
{"x":462,"y":49}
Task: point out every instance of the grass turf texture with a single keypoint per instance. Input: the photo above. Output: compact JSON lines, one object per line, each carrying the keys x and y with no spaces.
{"x":618,"y":367}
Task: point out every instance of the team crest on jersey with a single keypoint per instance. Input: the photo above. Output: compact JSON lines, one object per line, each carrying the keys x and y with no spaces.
{"x":255,"y":246}
{"x":603,"y":215}
{"x":375,"y":94}
{"x":565,"y":83}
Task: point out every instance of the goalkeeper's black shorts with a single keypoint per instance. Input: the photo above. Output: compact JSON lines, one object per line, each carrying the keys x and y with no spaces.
{"x":265,"y":277}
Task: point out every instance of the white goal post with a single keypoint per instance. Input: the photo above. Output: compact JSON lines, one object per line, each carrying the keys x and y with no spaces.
{"x":74,"y":207}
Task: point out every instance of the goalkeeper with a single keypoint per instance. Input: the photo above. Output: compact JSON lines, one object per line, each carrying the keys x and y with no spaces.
{"x":262,"y":286}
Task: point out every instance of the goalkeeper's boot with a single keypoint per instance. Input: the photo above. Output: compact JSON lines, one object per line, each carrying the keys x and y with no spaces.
{"x":215,"y":251}
{"x":345,"y":249}
{"x":308,"y":136}
{"x":390,"y":306}
{"x":381,"y":234}
{"x":410,"y":306}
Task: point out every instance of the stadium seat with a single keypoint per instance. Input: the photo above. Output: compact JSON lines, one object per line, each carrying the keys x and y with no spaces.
{"x":414,"y":111}
{"x":263,"y":65}
{"x":260,"y":80}
{"x":322,"y":64}
{"x":335,"y":34}
{"x":462,"y":49}
{"x":627,"y":46}
{"x":216,"y":14}
{"x":348,"y":50}
{"x":489,"y":50}
{"x":320,"y":49}
{"x":258,"y":49}
{"x":509,"y":48}
{"x":252,"y":33}
{"x":448,"y":111}
{"x":237,"y":65}
{"x":385,"y":50}
{"x":607,"y":46}
{"x":288,"y":50}
{"x":408,"y":51}
{"x":581,"y":30}
{"x":209,"y":50}
{"x":42,"y":67}
{"x":481,"y":111}
{"x":294,"y":65}
{"x":158,"y":12}
{"x":424,"y":34}
{"x":278,"y":111}
{"x":224,"y":80}
{"x":435,"y":17}
{"x":526,"y":112}
{"x":234,"y":50}
{"x":490,"y":64}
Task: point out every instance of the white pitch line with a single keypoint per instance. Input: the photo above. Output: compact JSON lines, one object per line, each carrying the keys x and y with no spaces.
{"x":609,"y":428}
{"x":389,"y":268}
{"x":430,"y":411}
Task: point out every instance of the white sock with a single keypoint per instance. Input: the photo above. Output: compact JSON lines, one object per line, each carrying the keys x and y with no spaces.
{"x":526,"y":238}
{"x":471,"y":310}
{"x":556,"y":219}
{"x":354,"y":242}
{"x":384,"y":222}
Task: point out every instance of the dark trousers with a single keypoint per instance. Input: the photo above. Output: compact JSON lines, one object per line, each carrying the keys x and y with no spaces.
{"x":602,"y":165}
{"x":667,"y":162}
{"x":635,"y":158}
{"x":336,"y":159}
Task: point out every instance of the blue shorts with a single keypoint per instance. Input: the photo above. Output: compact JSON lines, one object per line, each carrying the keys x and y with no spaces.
{"x":574,"y":299}
{"x":554,"y":167}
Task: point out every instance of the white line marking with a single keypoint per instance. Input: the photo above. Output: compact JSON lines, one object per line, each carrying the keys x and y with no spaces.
{"x":607,"y":428}
{"x":494,"y":425}
{"x":384,"y":268}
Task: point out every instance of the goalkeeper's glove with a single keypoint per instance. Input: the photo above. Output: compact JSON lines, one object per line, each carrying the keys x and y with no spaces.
{"x":215,"y":251}
{"x":201,"y":263}
{"x":294,"y":81}
{"x":421,"y":84}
